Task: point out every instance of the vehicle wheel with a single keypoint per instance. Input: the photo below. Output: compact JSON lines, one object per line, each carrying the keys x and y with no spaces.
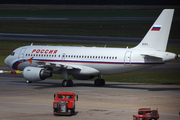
{"x":65,"y":83}
{"x":73,"y":111}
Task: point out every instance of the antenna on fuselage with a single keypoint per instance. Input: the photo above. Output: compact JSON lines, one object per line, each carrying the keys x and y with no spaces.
{"x":31,"y":44}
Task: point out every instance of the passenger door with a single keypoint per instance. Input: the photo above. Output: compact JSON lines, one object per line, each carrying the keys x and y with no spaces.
{"x":21,"y":54}
{"x":127,"y":58}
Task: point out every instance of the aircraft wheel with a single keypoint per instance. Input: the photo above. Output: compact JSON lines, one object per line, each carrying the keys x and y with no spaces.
{"x":64,"y":83}
{"x":97,"y":82}
{"x":70,"y":82}
{"x":27,"y":81}
{"x":67,"y":83}
{"x":102,"y":82}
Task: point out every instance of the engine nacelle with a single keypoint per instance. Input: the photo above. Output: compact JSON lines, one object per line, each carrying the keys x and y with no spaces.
{"x":83,"y":77}
{"x":36,"y":74}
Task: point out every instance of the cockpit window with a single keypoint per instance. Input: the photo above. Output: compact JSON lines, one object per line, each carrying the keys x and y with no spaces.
{"x":12,"y":53}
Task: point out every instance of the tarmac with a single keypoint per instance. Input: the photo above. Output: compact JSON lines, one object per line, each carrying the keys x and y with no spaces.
{"x":115,"y":101}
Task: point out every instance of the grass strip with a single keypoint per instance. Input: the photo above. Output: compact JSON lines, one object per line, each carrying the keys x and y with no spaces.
{"x":80,"y":13}
{"x":87,"y":28}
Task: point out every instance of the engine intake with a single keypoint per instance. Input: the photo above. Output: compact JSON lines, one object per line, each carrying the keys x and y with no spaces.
{"x":36,"y":74}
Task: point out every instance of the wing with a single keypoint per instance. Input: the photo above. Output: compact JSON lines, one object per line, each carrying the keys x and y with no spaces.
{"x":77,"y":69}
{"x":55,"y":65}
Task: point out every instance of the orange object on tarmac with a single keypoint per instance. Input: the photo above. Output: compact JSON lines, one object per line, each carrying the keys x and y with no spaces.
{"x":146,"y":114}
{"x":64,"y":103}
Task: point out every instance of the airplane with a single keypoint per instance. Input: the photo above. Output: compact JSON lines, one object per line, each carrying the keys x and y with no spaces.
{"x":84,"y":63}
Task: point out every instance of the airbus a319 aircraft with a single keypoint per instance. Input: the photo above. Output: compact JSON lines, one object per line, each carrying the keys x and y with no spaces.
{"x":83,"y":63}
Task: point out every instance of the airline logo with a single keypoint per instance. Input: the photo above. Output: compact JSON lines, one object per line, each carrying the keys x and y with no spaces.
{"x":156,"y":28}
{"x":44,"y":51}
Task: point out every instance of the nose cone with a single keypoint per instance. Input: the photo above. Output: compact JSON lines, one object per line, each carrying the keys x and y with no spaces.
{"x":6,"y":61}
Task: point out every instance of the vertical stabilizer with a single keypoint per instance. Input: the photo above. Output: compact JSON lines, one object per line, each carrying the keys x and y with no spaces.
{"x":157,"y":36}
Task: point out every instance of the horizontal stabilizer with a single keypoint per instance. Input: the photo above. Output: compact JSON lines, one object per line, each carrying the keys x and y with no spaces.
{"x":152,"y":55}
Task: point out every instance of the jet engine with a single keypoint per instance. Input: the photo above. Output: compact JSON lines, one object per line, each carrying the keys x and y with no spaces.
{"x":32,"y":74}
{"x":83,"y":77}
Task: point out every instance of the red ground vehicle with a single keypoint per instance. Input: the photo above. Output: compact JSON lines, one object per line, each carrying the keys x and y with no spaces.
{"x":64,"y":103}
{"x":146,"y":114}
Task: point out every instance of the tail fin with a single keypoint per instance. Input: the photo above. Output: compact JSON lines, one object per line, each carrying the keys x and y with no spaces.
{"x":157,"y":36}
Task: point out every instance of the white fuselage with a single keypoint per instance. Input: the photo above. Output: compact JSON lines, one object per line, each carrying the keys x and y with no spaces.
{"x":105,"y":60}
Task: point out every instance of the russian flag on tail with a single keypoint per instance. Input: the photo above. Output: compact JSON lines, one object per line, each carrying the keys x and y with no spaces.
{"x":156,"y":28}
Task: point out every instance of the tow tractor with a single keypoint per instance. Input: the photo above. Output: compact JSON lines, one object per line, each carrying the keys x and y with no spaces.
{"x":64,"y":103}
{"x":146,"y":114}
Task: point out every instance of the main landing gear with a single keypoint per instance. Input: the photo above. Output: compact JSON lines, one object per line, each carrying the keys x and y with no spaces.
{"x":67,"y":83}
{"x":99,"y":82}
